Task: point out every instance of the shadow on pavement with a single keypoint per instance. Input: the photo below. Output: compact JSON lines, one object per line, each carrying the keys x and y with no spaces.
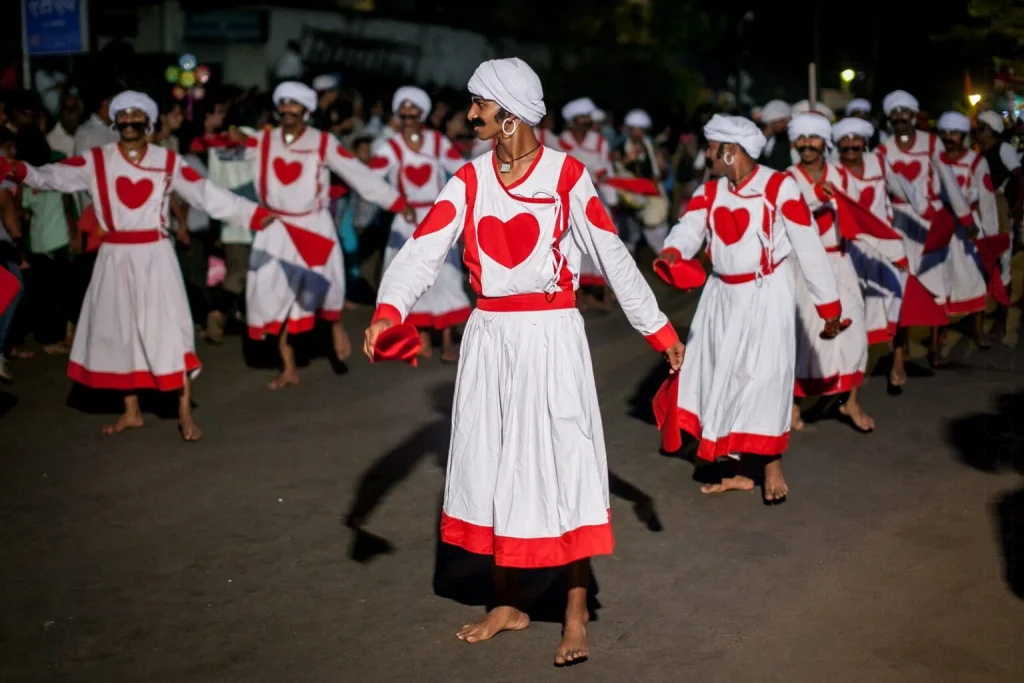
{"x":7,"y":403}
{"x":994,"y":442}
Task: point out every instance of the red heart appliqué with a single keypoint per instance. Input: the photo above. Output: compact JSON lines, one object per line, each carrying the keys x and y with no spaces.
{"x":867,"y":197}
{"x":796,"y":211}
{"x":508,"y":242}
{"x":910,"y":170}
{"x":961,"y":180}
{"x":287,"y":172}
{"x":598,"y":216}
{"x":418,"y":175}
{"x":439,"y":217}
{"x":190,"y":174}
{"x":825,"y":219}
{"x":986,"y":180}
{"x":344,"y":153}
{"x":133,"y":194}
{"x":730,"y":225}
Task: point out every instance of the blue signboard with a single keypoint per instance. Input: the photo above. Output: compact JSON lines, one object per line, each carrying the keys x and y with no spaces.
{"x":55,"y":27}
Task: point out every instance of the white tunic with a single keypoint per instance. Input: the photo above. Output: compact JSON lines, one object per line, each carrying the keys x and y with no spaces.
{"x":296,"y":268}
{"x":736,"y":383}
{"x":829,"y":366}
{"x":135,"y":330}
{"x":527,"y":477}
{"x":420,"y":176}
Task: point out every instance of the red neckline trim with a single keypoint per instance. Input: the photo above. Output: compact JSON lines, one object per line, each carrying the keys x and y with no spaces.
{"x":297,"y":137}
{"x":529,"y":171}
{"x":750,"y":178}
{"x":136,"y":164}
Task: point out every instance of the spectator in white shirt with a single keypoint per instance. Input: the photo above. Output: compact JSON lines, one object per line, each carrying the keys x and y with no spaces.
{"x":96,"y":130}
{"x":61,"y":137}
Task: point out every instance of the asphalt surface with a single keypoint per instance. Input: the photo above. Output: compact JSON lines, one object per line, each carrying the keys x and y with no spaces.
{"x":299,"y":540}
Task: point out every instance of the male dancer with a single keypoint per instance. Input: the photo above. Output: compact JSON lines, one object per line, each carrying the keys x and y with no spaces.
{"x":418,"y":162}
{"x":296,"y":267}
{"x":527,"y":477}
{"x":135,"y":331}
{"x":735,"y":388}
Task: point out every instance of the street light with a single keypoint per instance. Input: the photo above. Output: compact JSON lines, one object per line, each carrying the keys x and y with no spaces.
{"x":847,"y":75}
{"x":974,"y":98}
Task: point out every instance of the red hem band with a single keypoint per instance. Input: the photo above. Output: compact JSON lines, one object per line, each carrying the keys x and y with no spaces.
{"x":295,"y":325}
{"x":661,"y":340}
{"x":529,"y":553}
{"x":733,"y":442}
{"x":967,"y":307}
{"x":827,"y":386}
{"x":883,"y":335}
{"x":132,"y":381}
{"x":439,"y":322}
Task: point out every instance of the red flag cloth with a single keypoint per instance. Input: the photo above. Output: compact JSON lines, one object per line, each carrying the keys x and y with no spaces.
{"x":855,"y":219}
{"x":9,"y":287}
{"x":666,"y":414}
{"x":940,"y":231}
{"x":990,"y":249}
{"x":642,"y":186}
{"x":398,"y":342}
{"x":89,"y":226}
{"x":313,"y":248}
{"x":919,"y":307}
{"x":681,"y":273}
{"x":338,"y":191}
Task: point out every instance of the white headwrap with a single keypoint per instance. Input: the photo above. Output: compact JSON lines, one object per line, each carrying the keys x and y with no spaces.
{"x":414,"y":96}
{"x":954,"y":121}
{"x":297,"y":92}
{"x":858,"y":104}
{"x":776,"y":110}
{"x":736,"y":129}
{"x":325,"y":82}
{"x":804,"y":107}
{"x":512,"y":84}
{"x":583,"y":106}
{"x":899,"y":99}
{"x":852,"y":126}
{"x":810,"y":124}
{"x":131,"y":99}
{"x":637,"y":118}
{"x":598,"y":116}
{"x":993,"y":119}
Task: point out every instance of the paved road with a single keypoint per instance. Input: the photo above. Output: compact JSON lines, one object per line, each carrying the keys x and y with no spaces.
{"x":141,"y":558}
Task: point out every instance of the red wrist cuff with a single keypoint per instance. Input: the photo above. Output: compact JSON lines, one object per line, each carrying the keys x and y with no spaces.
{"x":663,"y":338}
{"x":387,"y":312}
{"x":830,"y":310}
{"x":258,"y":216}
{"x":399,"y":205}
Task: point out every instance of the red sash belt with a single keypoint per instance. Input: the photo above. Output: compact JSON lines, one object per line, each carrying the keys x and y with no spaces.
{"x":743,"y":278}
{"x":539,"y":301}
{"x":133,"y":236}
{"x":282,"y":212}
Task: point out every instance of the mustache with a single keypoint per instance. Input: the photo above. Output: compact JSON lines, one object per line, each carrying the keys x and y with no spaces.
{"x":477,"y":123}
{"x":808,"y":148}
{"x":137,"y":126}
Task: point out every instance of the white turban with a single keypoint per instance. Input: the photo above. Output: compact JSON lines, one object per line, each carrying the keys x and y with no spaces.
{"x":326,"y":82}
{"x":858,"y":104}
{"x":584,"y":106}
{"x":852,"y":126}
{"x":954,"y":121}
{"x":637,"y":118}
{"x":512,"y":84}
{"x":598,"y":116}
{"x":993,"y":119}
{"x":776,"y":110}
{"x":297,"y":92}
{"x":899,"y":99}
{"x":810,"y":124}
{"x":736,"y":129}
{"x":414,"y":96}
{"x":804,"y":107}
{"x":131,"y":99}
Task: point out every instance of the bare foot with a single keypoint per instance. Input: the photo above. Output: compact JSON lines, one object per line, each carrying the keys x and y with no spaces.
{"x":897,"y":376}
{"x":575,"y":647}
{"x":497,"y":620}
{"x":775,"y":487}
{"x":449,"y":355}
{"x":936,"y":360}
{"x":189,"y":429}
{"x":860,"y":419}
{"x":22,"y":352}
{"x":124,"y":423}
{"x":215,"y":327}
{"x":797,"y":422}
{"x":288,"y":378}
{"x":426,"y":346}
{"x":342,"y":344}
{"x":737,"y":483}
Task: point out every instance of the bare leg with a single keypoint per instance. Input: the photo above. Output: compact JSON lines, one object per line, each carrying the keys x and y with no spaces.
{"x":215,"y":327}
{"x":504,"y":617}
{"x":775,"y":487}
{"x":575,"y":647}
{"x":797,"y":421}
{"x":980,"y":339}
{"x":289,"y":375}
{"x":935,"y":358}
{"x":851,"y":408}
{"x":898,"y":373}
{"x":448,"y":352}
{"x":189,"y":429}
{"x":342,"y":344}
{"x":426,"y":345}
{"x":130,"y":419}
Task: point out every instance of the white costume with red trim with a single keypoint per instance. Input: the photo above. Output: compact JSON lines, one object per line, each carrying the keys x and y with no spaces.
{"x":967,"y":272}
{"x":527,"y":477}
{"x":296,"y":267}
{"x":736,"y":383}
{"x":875,"y":260}
{"x":829,"y":366}
{"x":420,"y":175}
{"x":135,"y":330}
{"x":594,"y":153}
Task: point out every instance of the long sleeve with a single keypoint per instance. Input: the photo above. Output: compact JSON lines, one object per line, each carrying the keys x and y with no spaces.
{"x":451,"y":160}
{"x":810,"y":253}
{"x":950,"y":189}
{"x":356,"y":176}
{"x":988,"y":209}
{"x":418,"y":262}
{"x":594,"y":230}
{"x":221,"y":204}
{"x":688,"y":235}
{"x":383,"y":161}
{"x":69,"y":175}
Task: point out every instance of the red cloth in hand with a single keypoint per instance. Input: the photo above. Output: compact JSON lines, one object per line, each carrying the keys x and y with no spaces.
{"x":9,"y":287}
{"x":398,"y":342}
{"x":666,"y":414}
{"x":681,"y":273}
{"x":940,"y":231}
{"x":990,"y":249}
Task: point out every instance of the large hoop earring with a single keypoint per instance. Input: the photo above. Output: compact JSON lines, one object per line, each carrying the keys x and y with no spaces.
{"x":728,"y":158}
{"x":515,"y":127}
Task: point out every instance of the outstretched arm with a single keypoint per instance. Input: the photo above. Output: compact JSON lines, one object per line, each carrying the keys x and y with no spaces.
{"x":688,"y":235}
{"x":221,"y":204}
{"x":68,"y":175}
{"x":810,"y":254}
{"x":356,"y":176}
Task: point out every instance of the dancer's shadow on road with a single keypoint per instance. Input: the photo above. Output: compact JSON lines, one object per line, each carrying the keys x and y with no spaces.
{"x":460,"y":575}
{"x":994,"y":442}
